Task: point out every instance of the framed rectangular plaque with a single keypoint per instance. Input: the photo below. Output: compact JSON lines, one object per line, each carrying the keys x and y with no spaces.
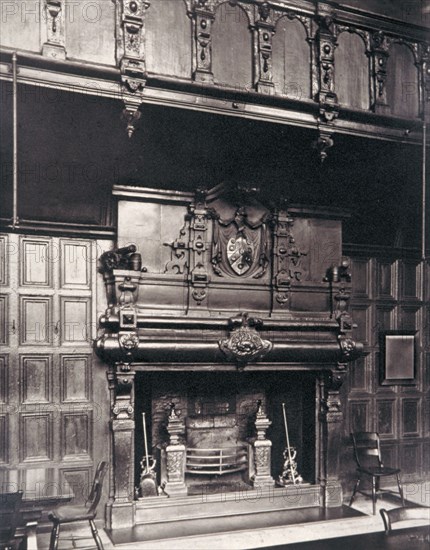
{"x":397,"y":357}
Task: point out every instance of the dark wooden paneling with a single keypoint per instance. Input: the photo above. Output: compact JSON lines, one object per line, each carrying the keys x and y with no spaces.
{"x":168,"y":38}
{"x":4,"y":320}
{"x":360,"y":269}
{"x":36,"y":262}
{"x":4,"y":360}
{"x":4,"y":252}
{"x":232,"y":47}
{"x":75,"y":378}
{"x":78,"y":480}
{"x":291,"y":60}
{"x":385,"y":279}
{"x":402,"y":82}
{"x":408,"y":318}
{"x":36,"y":442}
{"x":76,"y":263}
{"x":361,"y":316}
{"x":352,"y":72}
{"x":75,"y":320}
{"x":410,"y":459}
{"x":358,"y":375}
{"x":76,"y":435}
{"x":410,"y":280}
{"x":410,"y":417}
{"x":35,"y":378}
{"x":35,"y":323}
{"x":3,"y":438}
{"x":359,"y":416}
{"x":385,"y":417}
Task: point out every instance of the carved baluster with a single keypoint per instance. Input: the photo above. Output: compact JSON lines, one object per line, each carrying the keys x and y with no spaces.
{"x":203,"y":18}
{"x":54,"y":18}
{"x":379,"y":45}
{"x":424,"y":66}
{"x":262,"y":450}
{"x":175,"y":455}
{"x":264,"y":29}
{"x":281,"y":243}
{"x":131,"y":57}
{"x":122,"y":510}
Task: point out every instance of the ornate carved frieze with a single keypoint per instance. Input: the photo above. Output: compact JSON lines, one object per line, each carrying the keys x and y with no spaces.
{"x":245,"y":344}
{"x":286,"y":255}
{"x":54,"y":18}
{"x":131,"y":56}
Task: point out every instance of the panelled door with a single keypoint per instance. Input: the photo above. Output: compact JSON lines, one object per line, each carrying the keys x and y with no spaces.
{"x":47,"y":406}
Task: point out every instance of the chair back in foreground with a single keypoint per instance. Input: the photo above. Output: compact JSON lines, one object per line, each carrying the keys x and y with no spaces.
{"x":404,"y":514}
{"x":10,"y":504}
{"x":97,"y":487}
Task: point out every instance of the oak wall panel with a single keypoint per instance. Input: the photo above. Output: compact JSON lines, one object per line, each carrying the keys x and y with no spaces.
{"x":35,"y":378}
{"x":36,"y":262}
{"x":90,"y":31}
{"x":168,"y":38}
{"x":79,"y":480}
{"x":75,"y":264}
{"x":402,"y":82}
{"x":232,"y":48}
{"x":352,"y":72}
{"x":76,"y":435}
{"x":35,"y":320}
{"x":359,"y":419}
{"x":4,"y":438}
{"x":385,"y":277}
{"x":75,"y":320}
{"x":4,"y":251}
{"x":4,"y":319}
{"x":385,"y":418}
{"x":36,"y":443}
{"x":410,"y":425}
{"x":291,"y":59}
{"x":4,"y":362}
{"x":75,"y":378}
{"x":360,"y":270}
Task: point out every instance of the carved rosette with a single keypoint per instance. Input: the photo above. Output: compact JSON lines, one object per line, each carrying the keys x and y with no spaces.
{"x":54,"y":18}
{"x":245,"y":344}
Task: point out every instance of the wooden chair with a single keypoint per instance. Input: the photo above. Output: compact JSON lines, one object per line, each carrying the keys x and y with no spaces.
{"x":404,"y":514}
{"x":86,"y":512}
{"x":367,"y":454}
{"x":9,"y":517}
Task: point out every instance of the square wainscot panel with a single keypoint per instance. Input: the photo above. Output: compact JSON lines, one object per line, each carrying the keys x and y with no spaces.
{"x":75,"y":378}
{"x":36,"y":378}
{"x":35,"y":320}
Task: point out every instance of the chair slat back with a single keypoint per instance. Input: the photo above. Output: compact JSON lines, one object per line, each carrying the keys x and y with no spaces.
{"x":97,"y":487}
{"x":9,"y":516}
{"x":367,"y":449}
{"x":404,"y":514}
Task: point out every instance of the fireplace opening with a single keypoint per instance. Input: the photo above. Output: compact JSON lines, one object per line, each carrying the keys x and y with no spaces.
{"x":218,"y":413}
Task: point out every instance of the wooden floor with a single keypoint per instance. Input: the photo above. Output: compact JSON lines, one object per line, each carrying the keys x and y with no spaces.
{"x":253,"y":532}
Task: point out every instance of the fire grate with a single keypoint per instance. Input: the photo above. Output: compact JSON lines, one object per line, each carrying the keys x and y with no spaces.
{"x":216,"y":461}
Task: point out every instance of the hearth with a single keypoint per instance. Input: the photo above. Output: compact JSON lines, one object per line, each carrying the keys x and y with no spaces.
{"x":231,"y":309}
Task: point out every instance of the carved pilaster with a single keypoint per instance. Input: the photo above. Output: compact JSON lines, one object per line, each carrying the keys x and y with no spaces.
{"x":326,"y":44}
{"x":286,"y":256}
{"x":122,"y":508}
{"x":131,"y":56}
{"x":203,"y":18}
{"x":331,"y":418}
{"x":262,"y":450}
{"x":379,"y":45}
{"x":424,"y":65}
{"x":54,"y":17}
{"x":175,"y":455}
{"x":264,"y":30}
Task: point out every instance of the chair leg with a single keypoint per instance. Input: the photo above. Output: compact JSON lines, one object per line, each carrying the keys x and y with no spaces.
{"x":55,"y":535}
{"x":399,"y":485}
{"x":357,"y":484}
{"x":374,"y":494}
{"x":96,"y":535}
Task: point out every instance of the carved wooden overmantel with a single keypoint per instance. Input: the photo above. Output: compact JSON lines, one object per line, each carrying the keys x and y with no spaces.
{"x":223,"y":280}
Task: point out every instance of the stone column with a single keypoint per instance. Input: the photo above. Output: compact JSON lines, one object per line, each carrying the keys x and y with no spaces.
{"x":175,"y":455}
{"x":262,"y":450}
